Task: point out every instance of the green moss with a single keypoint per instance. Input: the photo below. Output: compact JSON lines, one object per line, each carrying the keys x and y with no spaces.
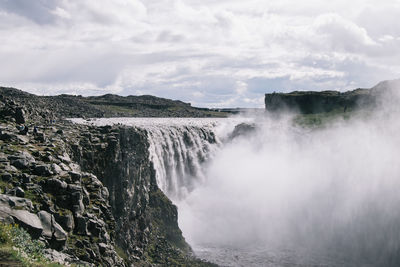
{"x":122,"y":253}
{"x":4,"y":185}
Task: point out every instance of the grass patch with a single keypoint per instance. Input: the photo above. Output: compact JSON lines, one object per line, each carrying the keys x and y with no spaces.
{"x":4,"y":185}
{"x":18,"y":248}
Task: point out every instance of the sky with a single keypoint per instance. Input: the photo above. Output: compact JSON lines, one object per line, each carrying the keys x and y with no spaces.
{"x":211,"y":53}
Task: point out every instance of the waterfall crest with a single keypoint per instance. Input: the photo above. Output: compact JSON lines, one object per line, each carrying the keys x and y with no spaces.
{"x":178,"y":152}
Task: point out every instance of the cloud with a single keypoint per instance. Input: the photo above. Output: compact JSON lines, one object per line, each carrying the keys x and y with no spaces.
{"x":177,"y":48}
{"x":38,"y":11}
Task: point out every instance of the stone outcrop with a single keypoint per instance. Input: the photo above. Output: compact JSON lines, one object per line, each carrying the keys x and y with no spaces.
{"x":89,"y":193}
{"x":46,"y":193}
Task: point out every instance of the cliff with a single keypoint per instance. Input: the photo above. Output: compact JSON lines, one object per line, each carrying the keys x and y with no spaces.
{"x":88,"y":193}
{"x":311,"y":102}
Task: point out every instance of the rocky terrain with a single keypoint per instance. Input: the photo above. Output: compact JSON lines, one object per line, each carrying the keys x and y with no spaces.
{"x":70,"y":106}
{"x":88,"y":193}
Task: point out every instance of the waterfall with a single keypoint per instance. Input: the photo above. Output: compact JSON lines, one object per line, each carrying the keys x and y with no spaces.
{"x":179,"y":148}
{"x":178,"y":153}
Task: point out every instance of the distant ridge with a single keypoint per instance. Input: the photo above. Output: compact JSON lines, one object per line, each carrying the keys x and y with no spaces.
{"x":109,"y":105}
{"x":312,"y":102}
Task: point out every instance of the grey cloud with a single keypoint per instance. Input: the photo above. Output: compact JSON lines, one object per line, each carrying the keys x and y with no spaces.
{"x":38,"y":11}
{"x":197,"y":51}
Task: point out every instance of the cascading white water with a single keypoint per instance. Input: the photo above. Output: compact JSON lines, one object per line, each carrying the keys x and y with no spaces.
{"x":178,"y":152}
{"x":179,"y":147}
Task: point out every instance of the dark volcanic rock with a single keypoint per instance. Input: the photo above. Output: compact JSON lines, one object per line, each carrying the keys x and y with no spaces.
{"x":316,"y":102}
{"x":19,"y":115}
{"x":242,"y":129}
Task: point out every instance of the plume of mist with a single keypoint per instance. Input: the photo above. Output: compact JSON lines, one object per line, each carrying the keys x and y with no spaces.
{"x":333,"y":190}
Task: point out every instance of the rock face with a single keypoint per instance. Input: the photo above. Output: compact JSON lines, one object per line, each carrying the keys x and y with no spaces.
{"x":48,"y":195}
{"x":317,"y":102}
{"x":86,"y":192}
{"x":146,"y":221}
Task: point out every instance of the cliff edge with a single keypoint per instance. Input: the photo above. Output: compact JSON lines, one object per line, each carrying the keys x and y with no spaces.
{"x":88,"y":194}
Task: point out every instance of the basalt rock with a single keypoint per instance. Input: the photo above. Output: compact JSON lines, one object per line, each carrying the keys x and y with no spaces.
{"x":311,"y":102}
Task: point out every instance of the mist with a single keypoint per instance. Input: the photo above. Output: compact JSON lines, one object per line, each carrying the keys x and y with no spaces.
{"x":326,"y":191}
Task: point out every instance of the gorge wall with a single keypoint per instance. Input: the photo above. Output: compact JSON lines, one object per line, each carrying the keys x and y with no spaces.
{"x":96,"y":184}
{"x":312,"y":102}
{"x":146,"y":220}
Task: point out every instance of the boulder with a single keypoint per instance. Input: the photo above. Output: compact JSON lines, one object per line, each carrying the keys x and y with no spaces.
{"x":19,"y":115}
{"x":25,"y":178}
{"x":20,"y":164}
{"x":75,"y":176}
{"x":42,"y":170}
{"x":81,"y":225}
{"x":59,"y":234}
{"x":6,"y":177}
{"x":54,"y":186}
{"x":52,"y":230}
{"x":64,"y":158}
{"x":56,"y":169}
{"x":46,"y":221}
{"x":29,"y":221}
{"x":17,"y":191}
{"x":16,"y":202}
{"x":66,"y":221}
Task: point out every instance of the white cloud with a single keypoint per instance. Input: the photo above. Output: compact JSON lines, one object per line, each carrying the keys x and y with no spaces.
{"x":205,"y":52}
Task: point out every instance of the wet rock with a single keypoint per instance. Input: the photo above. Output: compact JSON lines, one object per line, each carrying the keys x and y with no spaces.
{"x":242,"y":129}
